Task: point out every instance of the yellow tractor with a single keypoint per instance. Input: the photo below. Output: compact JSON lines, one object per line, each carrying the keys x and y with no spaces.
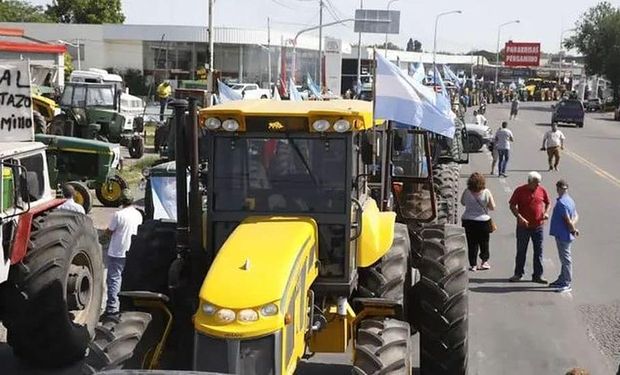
{"x":306,"y":229}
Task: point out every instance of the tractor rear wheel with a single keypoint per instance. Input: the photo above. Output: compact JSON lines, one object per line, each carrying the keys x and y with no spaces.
{"x":109,"y":192}
{"x":386,"y":278}
{"x":445,"y":184}
{"x":82,"y":195}
{"x":136,"y":147}
{"x":56,"y":291}
{"x":40,"y":125}
{"x":382,"y":346}
{"x":115,"y":341}
{"x":58,"y":126}
{"x":441,"y":302}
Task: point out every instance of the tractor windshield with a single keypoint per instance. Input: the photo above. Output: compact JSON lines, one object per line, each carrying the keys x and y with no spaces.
{"x":290,"y":174}
{"x":81,"y":96}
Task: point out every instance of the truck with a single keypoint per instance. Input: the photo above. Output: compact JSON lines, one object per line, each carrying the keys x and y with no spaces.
{"x":251,"y":91}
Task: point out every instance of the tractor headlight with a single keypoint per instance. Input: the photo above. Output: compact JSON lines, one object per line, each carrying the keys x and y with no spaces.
{"x":269,"y":310}
{"x":212,"y":123}
{"x":146,"y":172}
{"x":342,"y":126}
{"x":320,"y":125}
{"x":208,"y":309}
{"x":225,"y":315}
{"x":247,"y":315}
{"x":230,"y":125}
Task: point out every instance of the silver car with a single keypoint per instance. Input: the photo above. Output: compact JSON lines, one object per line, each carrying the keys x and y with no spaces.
{"x":478,"y":136}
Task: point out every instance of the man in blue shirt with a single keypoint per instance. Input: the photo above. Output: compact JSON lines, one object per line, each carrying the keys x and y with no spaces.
{"x":562,"y":227}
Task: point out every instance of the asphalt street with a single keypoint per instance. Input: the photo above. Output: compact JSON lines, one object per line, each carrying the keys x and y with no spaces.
{"x":526,"y":328}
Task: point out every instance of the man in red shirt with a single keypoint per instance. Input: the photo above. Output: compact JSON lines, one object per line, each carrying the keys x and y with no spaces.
{"x":530,"y":205}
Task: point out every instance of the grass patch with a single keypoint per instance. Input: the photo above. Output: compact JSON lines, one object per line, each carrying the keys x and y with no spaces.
{"x":132,"y":172}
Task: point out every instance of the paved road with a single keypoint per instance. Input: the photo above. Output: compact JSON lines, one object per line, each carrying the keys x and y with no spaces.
{"x":524,"y":328}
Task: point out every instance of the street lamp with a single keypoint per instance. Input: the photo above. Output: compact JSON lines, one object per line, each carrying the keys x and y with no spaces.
{"x":75,"y":45}
{"x":386,"y":34}
{"x":499,"y":29}
{"x":435,"y":40}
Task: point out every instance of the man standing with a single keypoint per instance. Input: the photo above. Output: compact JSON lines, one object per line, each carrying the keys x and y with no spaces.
{"x":164,"y":91}
{"x":68,"y":192}
{"x":514,"y":108}
{"x":530,"y":205}
{"x":123,"y":226}
{"x":562,"y":227}
{"x":553,"y":142}
{"x":501,"y":142}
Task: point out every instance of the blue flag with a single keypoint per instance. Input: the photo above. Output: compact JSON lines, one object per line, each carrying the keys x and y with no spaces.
{"x":448,"y":73}
{"x":293,"y":94}
{"x":226,"y":93}
{"x":400,"y":98}
{"x":313,"y":87}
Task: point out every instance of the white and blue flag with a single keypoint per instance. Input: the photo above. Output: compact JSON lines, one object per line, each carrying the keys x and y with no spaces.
{"x":227,"y":94}
{"x":419,"y":74}
{"x":293,"y":94}
{"x":440,"y":82}
{"x":276,"y":93}
{"x":448,"y":73}
{"x":313,"y":87}
{"x":400,"y":98}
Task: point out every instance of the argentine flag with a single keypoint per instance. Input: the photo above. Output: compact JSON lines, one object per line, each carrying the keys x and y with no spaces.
{"x":226,"y":93}
{"x":293,"y":94}
{"x":313,"y":87}
{"x":448,"y":73}
{"x":419,"y":74}
{"x":400,"y":98}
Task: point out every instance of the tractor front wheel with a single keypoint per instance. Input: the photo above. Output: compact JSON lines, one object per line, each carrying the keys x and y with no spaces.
{"x":55,"y":293}
{"x":382,"y":346}
{"x":136,"y":147}
{"x":109,"y":192}
{"x":82,"y":195}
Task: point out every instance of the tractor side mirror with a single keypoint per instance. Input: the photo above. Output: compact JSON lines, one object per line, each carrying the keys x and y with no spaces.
{"x":15,"y":189}
{"x":366,"y":149}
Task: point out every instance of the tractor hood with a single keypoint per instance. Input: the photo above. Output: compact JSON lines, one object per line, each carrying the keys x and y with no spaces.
{"x":60,"y":142}
{"x":255,"y":265}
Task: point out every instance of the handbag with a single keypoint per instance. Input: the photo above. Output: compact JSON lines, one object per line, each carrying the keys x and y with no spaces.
{"x":491,"y":226}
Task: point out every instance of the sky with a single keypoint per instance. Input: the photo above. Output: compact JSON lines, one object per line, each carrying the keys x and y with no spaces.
{"x":476,"y":28}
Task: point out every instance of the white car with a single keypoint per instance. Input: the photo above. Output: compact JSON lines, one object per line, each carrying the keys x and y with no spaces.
{"x":251,"y":91}
{"x":477,"y":136}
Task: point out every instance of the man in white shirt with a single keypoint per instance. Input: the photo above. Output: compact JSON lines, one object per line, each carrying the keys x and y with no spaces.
{"x":480,"y":119}
{"x":502,"y":140}
{"x":123,"y":226}
{"x":553,"y":142}
{"x":68,"y":192}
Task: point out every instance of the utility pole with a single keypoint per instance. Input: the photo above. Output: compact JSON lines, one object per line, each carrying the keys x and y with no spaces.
{"x":211,"y":42}
{"x":359,"y":55}
{"x":269,"y":50}
{"x":320,"y":71}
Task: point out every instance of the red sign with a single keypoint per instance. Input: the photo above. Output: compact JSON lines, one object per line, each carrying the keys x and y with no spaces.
{"x":522,"y":54}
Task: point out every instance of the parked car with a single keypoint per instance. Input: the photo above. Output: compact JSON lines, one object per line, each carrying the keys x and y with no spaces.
{"x":251,"y":91}
{"x":568,"y":111}
{"x":593,"y":105}
{"x":477,"y":136}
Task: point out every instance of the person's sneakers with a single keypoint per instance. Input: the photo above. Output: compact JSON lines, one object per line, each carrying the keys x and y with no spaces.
{"x":564,"y":288}
{"x":110,"y":315}
{"x":556,"y":284}
{"x":504,"y":175}
{"x":550,"y":168}
{"x":515,"y":278}
{"x":472,"y":268}
{"x":539,"y":280}
{"x":484,"y":266}
{"x":556,"y":169}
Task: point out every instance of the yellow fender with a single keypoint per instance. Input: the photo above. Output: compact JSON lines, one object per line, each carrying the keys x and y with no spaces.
{"x":377,"y":234}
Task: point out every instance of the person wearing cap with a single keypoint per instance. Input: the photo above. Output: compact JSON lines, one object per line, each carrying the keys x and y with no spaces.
{"x":122,"y":227}
{"x":530,"y":205}
{"x":563,"y":228}
{"x":68,"y":192}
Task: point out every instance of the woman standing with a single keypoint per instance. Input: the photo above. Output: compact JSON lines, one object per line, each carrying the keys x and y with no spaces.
{"x":476,"y":220}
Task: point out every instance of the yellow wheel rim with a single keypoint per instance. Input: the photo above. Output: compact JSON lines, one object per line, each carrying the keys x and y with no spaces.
{"x":78,"y":198}
{"x":111,"y":190}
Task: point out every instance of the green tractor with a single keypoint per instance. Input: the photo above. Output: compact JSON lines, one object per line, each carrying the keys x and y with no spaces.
{"x":93,"y":111}
{"x":85,"y":164}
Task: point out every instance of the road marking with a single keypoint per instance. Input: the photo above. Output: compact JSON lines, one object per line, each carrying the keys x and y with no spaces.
{"x":599,"y":171}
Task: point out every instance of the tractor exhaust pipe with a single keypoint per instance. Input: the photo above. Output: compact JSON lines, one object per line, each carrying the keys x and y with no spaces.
{"x":180,"y":107}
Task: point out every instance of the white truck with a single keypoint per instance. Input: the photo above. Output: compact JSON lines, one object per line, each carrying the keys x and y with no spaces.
{"x":251,"y":91}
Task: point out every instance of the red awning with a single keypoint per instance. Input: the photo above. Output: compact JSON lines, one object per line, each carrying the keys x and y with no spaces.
{"x":9,"y":31}
{"x":32,"y":47}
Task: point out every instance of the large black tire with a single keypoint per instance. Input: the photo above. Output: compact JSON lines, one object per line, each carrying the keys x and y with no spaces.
{"x":474,"y":143}
{"x":109,"y":192}
{"x":441,"y":302}
{"x":382,"y":346}
{"x":82,"y":195}
{"x":40,"y":125}
{"x":115,"y":341}
{"x":445,"y":184}
{"x":58,"y":126}
{"x":387,"y":277}
{"x":56,"y":291}
{"x":136,"y":147}
{"x":456,"y":175}
{"x":150,"y":255}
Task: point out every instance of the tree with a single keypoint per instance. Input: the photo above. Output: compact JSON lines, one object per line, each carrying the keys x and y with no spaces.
{"x":414,"y":45}
{"x":410,"y":45}
{"x":86,"y":11}
{"x":21,"y":11}
{"x":597,"y":37}
{"x":68,"y":65}
{"x":390,"y":46}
